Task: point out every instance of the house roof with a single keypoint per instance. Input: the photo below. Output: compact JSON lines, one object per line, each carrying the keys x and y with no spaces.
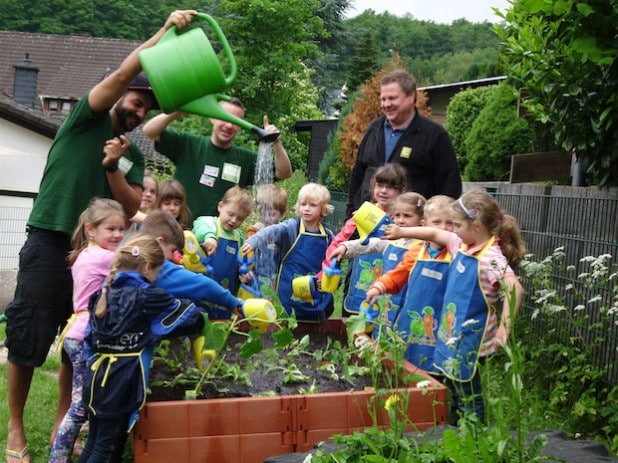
{"x":68,"y":65}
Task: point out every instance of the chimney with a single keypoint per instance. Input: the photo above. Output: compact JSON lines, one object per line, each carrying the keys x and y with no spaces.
{"x":25,"y":83}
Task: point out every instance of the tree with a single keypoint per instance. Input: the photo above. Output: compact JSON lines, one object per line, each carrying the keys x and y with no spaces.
{"x":364,"y":63}
{"x":462,"y":111}
{"x":563,"y":55}
{"x":496,"y":134}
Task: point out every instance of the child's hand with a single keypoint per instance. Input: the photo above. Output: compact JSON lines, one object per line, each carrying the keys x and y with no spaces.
{"x":371,"y":294}
{"x":392,"y":232}
{"x":339,"y":252}
{"x":246,"y":278}
{"x":210,"y":245}
{"x":246,"y":249}
{"x":114,"y":149}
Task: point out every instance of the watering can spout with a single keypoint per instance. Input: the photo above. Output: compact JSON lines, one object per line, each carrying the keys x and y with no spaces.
{"x":267,"y":137}
{"x":209,"y":106}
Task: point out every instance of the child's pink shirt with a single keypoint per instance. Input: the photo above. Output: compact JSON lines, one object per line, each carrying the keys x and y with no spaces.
{"x":89,"y":272}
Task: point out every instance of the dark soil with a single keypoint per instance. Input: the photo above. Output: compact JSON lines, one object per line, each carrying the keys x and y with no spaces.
{"x":261,"y":378}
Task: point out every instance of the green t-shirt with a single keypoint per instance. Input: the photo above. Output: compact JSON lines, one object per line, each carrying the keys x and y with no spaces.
{"x":206,"y":171}
{"x":73,"y":173}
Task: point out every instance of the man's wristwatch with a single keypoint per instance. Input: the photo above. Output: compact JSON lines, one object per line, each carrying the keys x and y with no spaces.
{"x":111,"y":168}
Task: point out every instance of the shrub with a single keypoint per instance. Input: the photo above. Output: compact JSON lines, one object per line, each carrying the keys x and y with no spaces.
{"x":496,"y":134}
{"x":462,"y":111}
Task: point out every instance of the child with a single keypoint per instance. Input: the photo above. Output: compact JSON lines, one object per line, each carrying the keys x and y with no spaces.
{"x":173,"y":199}
{"x":221,"y":238}
{"x":272,"y":205}
{"x":98,"y":234}
{"x":178,"y":281}
{"x":423,"y":272}
{"x":485,"y":241}
{"x":406,"y":211}
{"x":127,"y":318}
{"x":388,"y":182}
{"x":149,"y":198}
{"x":151,"y":192}
{"x":303,"y":241}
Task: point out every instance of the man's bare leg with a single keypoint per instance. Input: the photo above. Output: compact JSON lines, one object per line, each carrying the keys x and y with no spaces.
{"x":19,"y":380}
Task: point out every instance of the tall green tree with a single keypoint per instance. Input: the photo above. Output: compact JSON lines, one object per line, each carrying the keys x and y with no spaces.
{"x":364,"y":64}
{"x":563,"y":55}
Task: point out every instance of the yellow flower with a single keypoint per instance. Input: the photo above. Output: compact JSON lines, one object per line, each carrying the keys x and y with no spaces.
{"x":392,"y":400}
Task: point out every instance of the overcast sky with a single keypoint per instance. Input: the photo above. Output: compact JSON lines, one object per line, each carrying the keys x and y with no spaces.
{"x":438,"y":11}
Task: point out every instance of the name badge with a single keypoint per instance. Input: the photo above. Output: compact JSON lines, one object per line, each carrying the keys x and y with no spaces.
{"x":207,"y":180}
{"x":406,"y":152}
{"x":124,"y":165}
{"x":231,"y":172}
{"x":211,"y":171}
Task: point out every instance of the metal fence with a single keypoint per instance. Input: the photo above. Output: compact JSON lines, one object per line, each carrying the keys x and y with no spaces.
{"x":585,"y":222}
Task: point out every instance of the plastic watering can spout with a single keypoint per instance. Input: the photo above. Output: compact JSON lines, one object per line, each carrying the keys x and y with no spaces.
{"x":209,"y":106}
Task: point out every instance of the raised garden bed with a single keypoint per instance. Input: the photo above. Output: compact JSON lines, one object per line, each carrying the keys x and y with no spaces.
{"x":250,"y":429}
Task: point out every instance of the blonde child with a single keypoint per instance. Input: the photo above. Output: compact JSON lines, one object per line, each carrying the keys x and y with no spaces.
{"x":173,"y":199}
{"x":407,"y":210}
{"x":98,"y":234}
{"x":420,"y":280}
{"x":127,"y":319}
{"x":303,"y":241}
{"x":149,"y":198}
{"x":221,"y":238}
{"x":486,"y":243}
{"x":272,"y":205}
{"x":388,"y":182}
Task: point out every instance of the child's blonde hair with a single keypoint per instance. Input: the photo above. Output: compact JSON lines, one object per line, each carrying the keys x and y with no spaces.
{"x":477,"y":206}
{"x":411,"y":198}
{"x":314,"y":192}
{"x":239,"y":197}
{"x":438,"y":203}
{"x":392,"y":174}
{"x":162,"y":223}
{"x":173,"y":189}
{"x":97,"y":212}
{"x":140,"y":249}
{"x":271,"y":197}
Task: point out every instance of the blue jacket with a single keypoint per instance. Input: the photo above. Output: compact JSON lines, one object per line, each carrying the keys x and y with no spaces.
{"x":121,"y":342}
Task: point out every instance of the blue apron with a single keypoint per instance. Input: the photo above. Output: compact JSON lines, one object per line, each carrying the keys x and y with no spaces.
{"x":393,"y":254}
{"x":304,"y":257}
{"x":418,"y":319}
{"x":464,"y":317}
{"x":365,"y":269}
{"x":225,"y":271}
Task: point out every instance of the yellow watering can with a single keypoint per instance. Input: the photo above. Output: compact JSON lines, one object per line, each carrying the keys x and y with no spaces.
{"x":185,"y":74}
{"x":260,"y":313}
{"x":371,"y":221}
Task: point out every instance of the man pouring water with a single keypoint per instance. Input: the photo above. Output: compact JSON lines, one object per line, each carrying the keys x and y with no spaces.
{"x":208,"y":167}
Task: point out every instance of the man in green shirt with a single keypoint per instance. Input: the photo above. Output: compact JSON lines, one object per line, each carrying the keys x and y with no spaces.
{"x":208,"y":167}
{"x":90,"y":157}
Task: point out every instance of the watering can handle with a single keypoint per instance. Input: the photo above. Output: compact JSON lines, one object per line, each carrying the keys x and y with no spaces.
{"x":226,"y":46}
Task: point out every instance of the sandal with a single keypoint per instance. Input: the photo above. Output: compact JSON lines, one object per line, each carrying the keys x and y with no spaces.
{"x":19,"y":456}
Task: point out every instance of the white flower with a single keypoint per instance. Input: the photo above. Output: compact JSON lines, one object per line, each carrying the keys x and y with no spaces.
{"x":594,"y":299}
{"x":568,"y":287}
{"x":308,"y":458}
{"x":423,"y":384}
{"x":451,"y":341}
{"x":579,"y":307}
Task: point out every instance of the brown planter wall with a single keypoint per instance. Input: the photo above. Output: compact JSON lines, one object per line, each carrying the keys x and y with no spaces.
{"x":250,"y":429}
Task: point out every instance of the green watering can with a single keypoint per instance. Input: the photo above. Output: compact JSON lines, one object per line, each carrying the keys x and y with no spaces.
{"x":186,"y":75}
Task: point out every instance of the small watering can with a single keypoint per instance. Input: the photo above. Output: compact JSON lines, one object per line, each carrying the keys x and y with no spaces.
{"x":331,"y":276}
{"x":246,"y":262}
{"x":193,"y":256}
{"x":186,"y":75}
{"x":371,"y":313}
{"x":305,"y":289}
{"x":371,"y":221}
{"x":259,"y":313}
